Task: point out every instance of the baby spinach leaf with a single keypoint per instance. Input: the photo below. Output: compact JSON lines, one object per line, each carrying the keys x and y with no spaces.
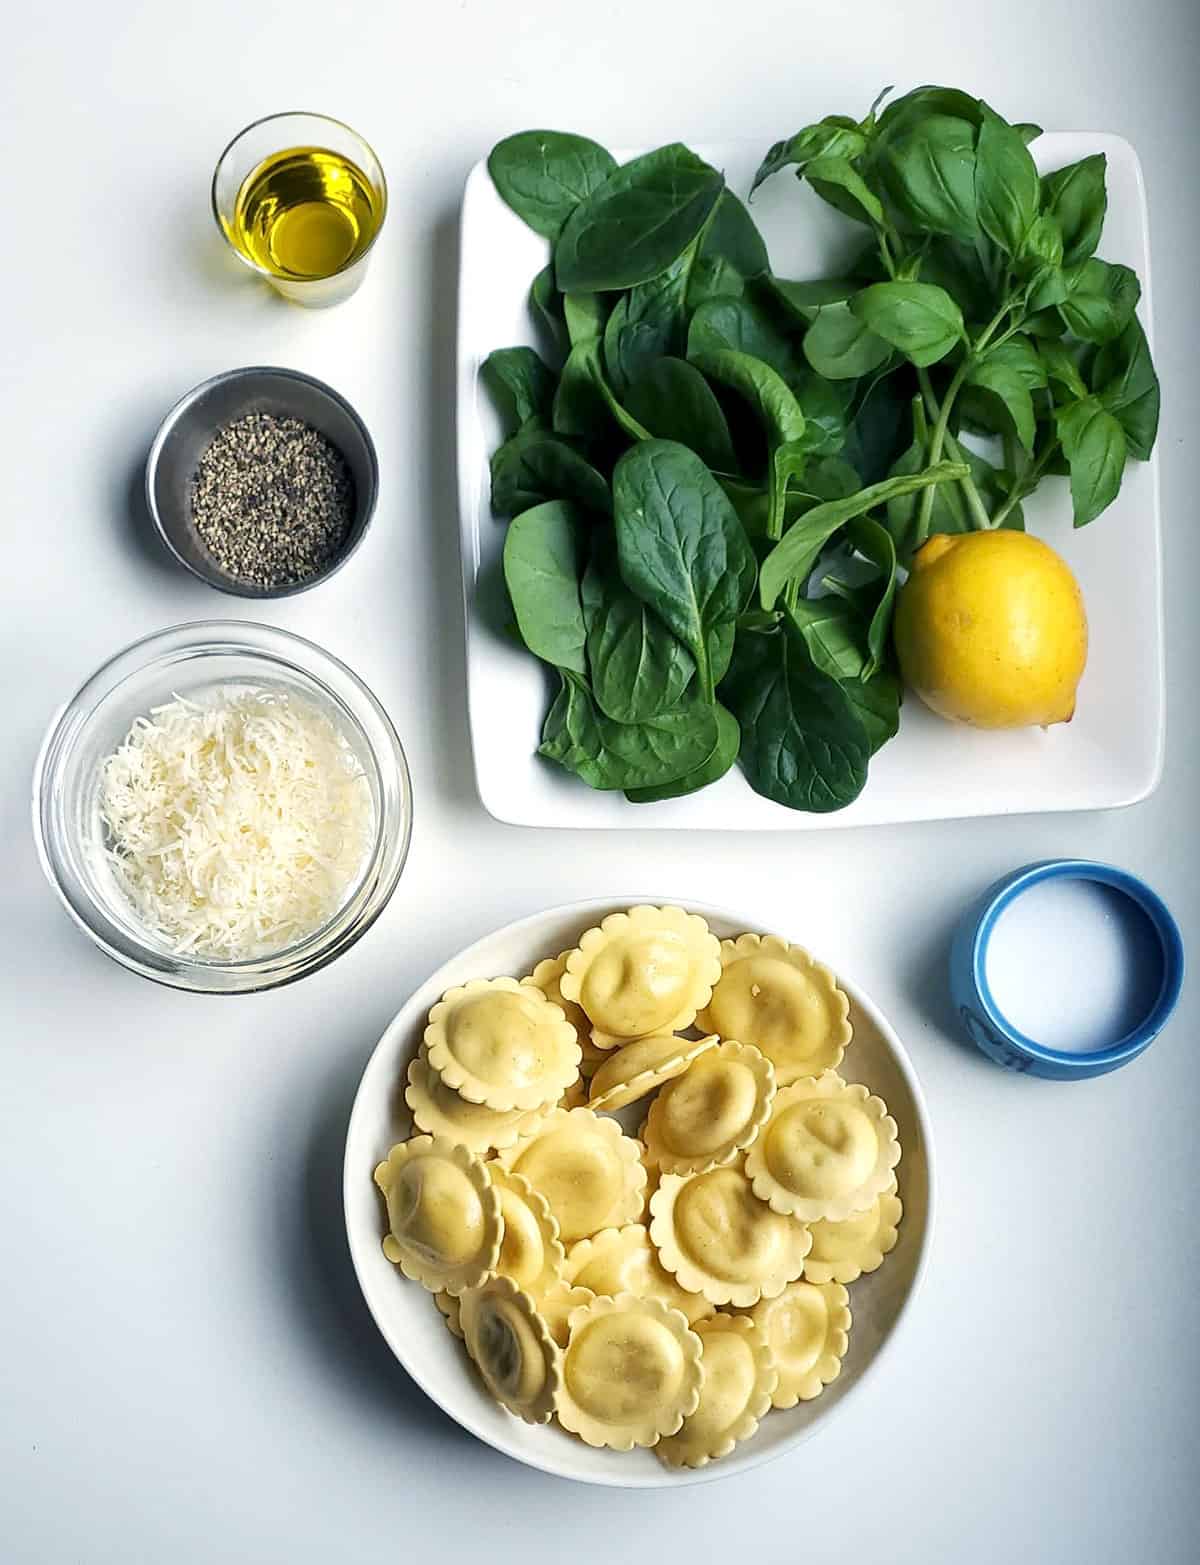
{"x":729,"y":738}
{"x":713,"y":278}
{"x":546,"y":307}
{"x":585,"y":401}
{"x":1077,"y":198}
{"x":544,"y":175}
{"x":1006,"y":183}
{"x":637,"y":222}
{"x":535,"y":466}
{"x":732,"y":236}
{"x":877,"y":429}
{"x":674,"y":402}
{"x":761,"y":386}
{"x":638,"y":667}
{"x":920,"y":319}
{"x":1123,"y":375}
{"x":802,"y":300}
{"x":649,"y":321}
{"x":585,"y":315}
{"x":1101,"y":299}
{"x":628,"y":756}
{"x":840,"y":346}
{"x":744,"y":326}
{"x":542,"y":570}
{"x":796,"y":553}
{"x":840,"y":185}
{"x":1095,"y":447}
{"x":927,"y":166}
{"x":521,"y":385}
{"x":681,"y":547}
{"x":835,"y":635}
{"x":836,"y":136}
{"x":803,"y":743}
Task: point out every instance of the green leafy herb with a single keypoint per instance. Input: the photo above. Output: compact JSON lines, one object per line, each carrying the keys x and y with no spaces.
{"x":1095,"y":447}
{"x":535,"y":466}
{"x":637,"y":222}
{"x":544,"y":175}
{"x":920,"y":319}
{"x":681,"y":547}
{"x":522,"y":386}
{"x":542,"y":571}
{"x":627,"y":756}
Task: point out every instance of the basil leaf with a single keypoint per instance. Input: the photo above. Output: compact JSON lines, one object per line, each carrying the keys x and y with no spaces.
{"x":637,"y":222}
{"x":1061,"y":367}
{"x":638,"y":667}
{"x":835,"y":136}
{"x":1101,"y":299}
{"x":521,"y":385}
{"x":534,"y":466}
{"x":543,"y":175}
{"x":877,"y":431}
{"x":1077,"y":197}
{"x":874,"y":543}
{"x":923,"y":103}
{"x":840,"y":346}
{"x":838,"y":182}
{"x":681,"y":547}
{"x":674,"y":402}
{"x":920,"y":319}
{"x":1123,"y":375}
{"x":1003,"y":380}
{"x":608,"y":755}
{"x":803,"y":743}
{"x":1006,"y":183}
{"x":794,"y":556}
{"x":541,"y":571}
{"x":928,"y":170}
{"x":1094,"y":445}
{"x":729,"y":738}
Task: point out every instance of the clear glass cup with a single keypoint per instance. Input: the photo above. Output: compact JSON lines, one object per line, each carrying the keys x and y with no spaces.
{"x":245,"y":157}
{"x":67,"y":822}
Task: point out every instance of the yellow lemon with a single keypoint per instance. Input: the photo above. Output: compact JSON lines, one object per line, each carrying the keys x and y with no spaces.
{"x":990,"y":629}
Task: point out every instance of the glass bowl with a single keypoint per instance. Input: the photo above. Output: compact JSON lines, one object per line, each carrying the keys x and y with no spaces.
{"x":66,"y":805}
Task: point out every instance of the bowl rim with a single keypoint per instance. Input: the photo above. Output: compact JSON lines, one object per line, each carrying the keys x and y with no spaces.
{"x":1088,"y":1062}
{"x":323,"y":945}
{"x":352,"y":1175}
{"x":220,"y":580}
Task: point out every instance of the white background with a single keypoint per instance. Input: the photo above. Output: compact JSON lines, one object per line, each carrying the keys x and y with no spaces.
{"x":187,"y":1370}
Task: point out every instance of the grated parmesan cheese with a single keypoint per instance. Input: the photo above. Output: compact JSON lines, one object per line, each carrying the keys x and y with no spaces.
{"x":237,"y":824}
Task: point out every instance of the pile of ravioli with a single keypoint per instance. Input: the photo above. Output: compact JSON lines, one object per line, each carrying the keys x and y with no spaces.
{"x":665,"y":1289}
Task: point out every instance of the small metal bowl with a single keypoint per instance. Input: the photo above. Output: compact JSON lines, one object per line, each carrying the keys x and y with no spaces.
{"x":191,"y":424}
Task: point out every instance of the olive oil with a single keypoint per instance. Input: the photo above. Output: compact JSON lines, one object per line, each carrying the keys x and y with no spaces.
{"x":305,"y":213}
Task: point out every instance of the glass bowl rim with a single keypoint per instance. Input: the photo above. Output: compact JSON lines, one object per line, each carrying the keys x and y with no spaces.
{"x":392,"y":833}
{"x":288,"y":114}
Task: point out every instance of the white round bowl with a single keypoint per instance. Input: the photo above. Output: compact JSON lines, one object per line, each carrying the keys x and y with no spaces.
{"x":415,"y":1330}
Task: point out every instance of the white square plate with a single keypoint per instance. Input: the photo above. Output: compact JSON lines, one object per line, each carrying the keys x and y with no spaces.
{"x":1109,"y":755}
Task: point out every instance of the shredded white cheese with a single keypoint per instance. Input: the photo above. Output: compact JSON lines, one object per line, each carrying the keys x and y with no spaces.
{"x":237,"y":823}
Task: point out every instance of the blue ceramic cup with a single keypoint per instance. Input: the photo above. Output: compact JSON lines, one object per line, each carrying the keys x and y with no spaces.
{"x":1066,"y":969}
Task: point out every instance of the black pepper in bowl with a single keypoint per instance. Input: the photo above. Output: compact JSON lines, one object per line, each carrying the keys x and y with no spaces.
{"x":273,"y":500}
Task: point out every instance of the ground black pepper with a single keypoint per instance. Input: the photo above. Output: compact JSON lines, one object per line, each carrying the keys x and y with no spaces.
{"x":273,"y":500}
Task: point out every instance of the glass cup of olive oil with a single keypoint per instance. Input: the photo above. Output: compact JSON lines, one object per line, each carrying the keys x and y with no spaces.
{"x":301,"y":199}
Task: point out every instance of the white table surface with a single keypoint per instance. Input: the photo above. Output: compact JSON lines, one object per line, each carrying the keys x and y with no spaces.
{"x":188,"y":1370}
